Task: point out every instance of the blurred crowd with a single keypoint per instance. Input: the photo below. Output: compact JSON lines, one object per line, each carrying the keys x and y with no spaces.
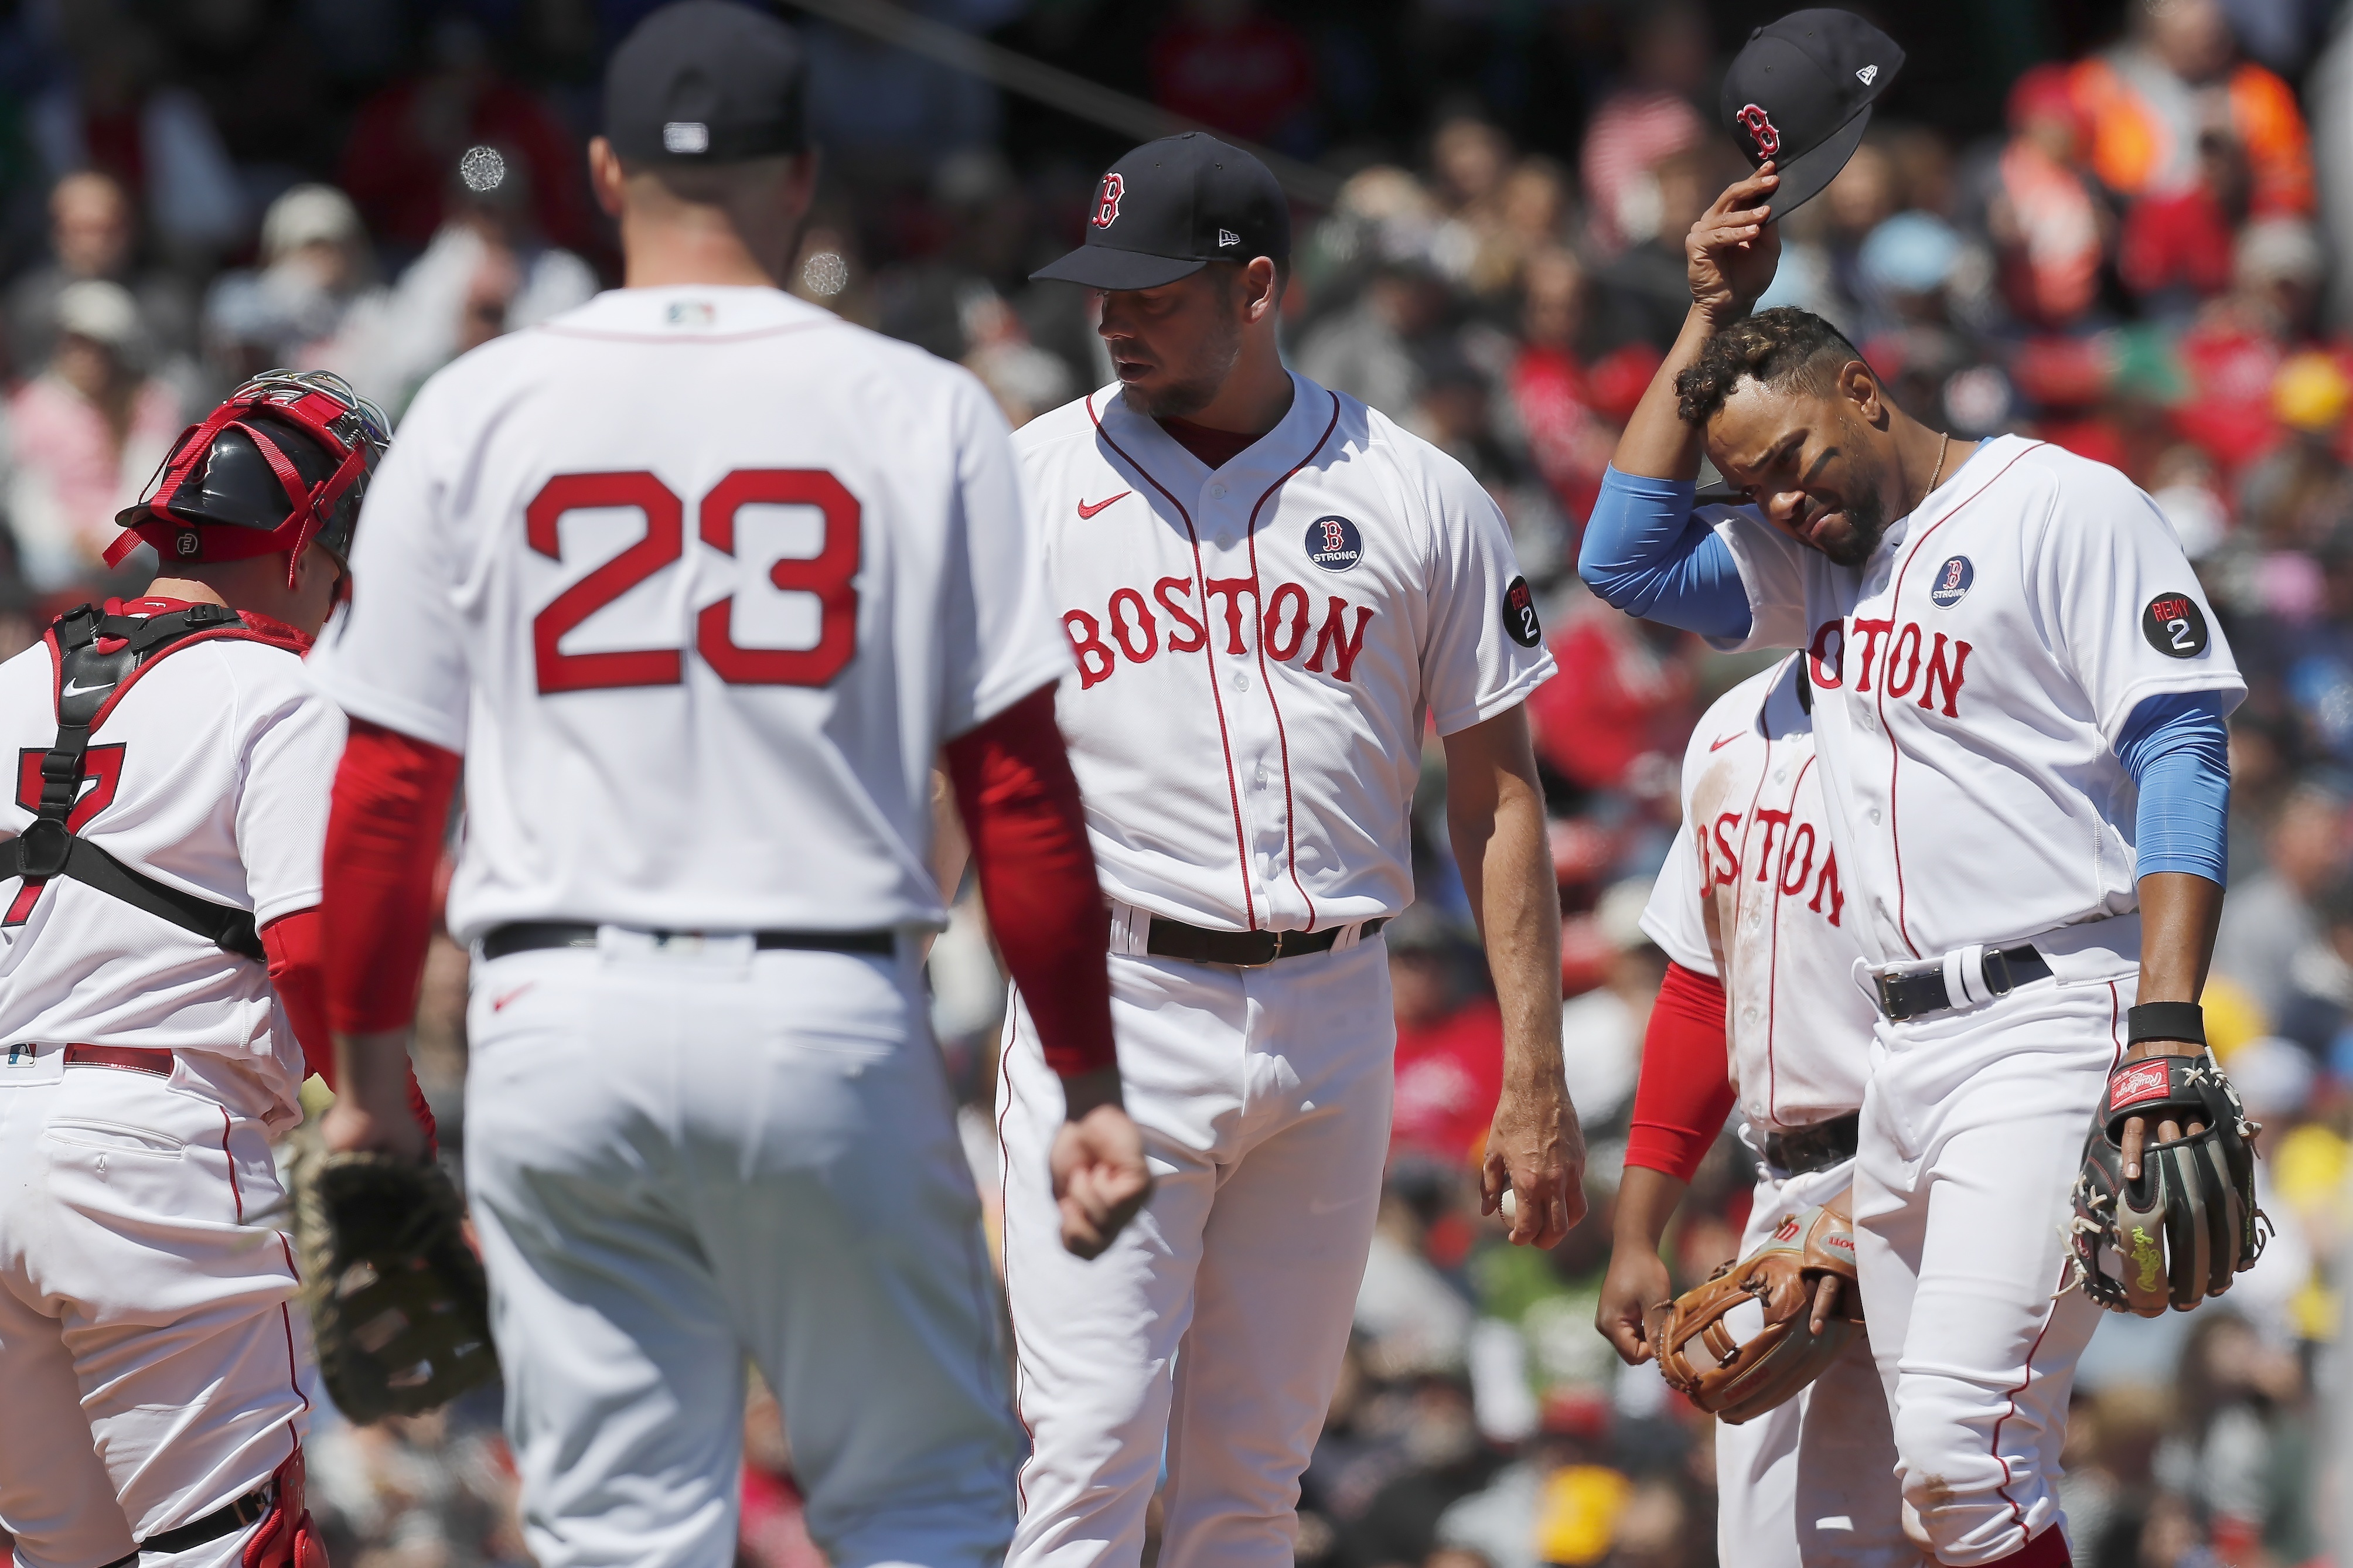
{"x":2122,"y":225}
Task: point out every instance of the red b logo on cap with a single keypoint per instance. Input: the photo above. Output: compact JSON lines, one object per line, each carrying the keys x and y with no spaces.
{"x":1107,"y":203}
{"x":1761,"y":133}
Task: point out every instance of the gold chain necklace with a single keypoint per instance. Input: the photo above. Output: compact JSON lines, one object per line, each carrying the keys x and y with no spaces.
{"x":1942,"y":447}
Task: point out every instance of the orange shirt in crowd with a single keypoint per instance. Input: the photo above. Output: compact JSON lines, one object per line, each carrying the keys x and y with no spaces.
{"x":2133,"y":145}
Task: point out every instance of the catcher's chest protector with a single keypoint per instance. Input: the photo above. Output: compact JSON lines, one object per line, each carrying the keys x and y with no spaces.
{"x":97,"y":658}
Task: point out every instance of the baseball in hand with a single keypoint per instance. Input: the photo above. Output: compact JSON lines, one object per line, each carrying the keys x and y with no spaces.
{"x":1507,"y":1206}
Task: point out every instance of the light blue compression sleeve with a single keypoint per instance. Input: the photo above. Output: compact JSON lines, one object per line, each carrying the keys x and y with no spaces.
{"x":1647,"y":555}
{"x":2178,"y":749}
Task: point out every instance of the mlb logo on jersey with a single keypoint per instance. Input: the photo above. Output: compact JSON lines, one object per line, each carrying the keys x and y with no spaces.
{"x":22,"y":1053}
{"x":1334,"y":544}
{"x":1952,"y":582}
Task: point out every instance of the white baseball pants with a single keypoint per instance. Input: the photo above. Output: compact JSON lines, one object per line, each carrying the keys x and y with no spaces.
{"x":1973,"y":1127}
{"x":680,"y":1156}
{"x":1812,"y":1483}
{"x":150,"y":1351}
{"x":1215,"y":1322}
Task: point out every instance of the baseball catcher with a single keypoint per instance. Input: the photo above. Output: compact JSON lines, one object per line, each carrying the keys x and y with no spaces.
{"x":2167,"y":1220}
{"x":162,"y":989}
{"x":1803,"y":1277}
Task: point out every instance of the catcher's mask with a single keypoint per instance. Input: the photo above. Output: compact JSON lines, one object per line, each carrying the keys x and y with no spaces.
{"x":284,"y":461}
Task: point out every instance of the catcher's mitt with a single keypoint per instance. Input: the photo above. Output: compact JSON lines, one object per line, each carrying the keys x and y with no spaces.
{"x":398,"y":1302}
{"x":2180,"y":1232}
{"x":1737,"y":1380}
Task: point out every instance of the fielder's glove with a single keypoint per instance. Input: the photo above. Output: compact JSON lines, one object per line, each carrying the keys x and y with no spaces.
{"x":398,"y":1302}
{"x":1740,"y":1380}
{"x":2180,"y":1232}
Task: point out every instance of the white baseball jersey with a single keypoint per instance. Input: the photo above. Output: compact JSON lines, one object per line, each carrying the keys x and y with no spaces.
{"x":1970,"y":680}
{"x":1752,"y":893}
{"x":211,"y":775}
{"x":699,"y":579}
{"x":1259,"y":648}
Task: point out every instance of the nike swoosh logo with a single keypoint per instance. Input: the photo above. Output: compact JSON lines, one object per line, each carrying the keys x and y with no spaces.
{"x":73,"y":691}
{"x":1087,"y":510}
{"x":1727,"y":740}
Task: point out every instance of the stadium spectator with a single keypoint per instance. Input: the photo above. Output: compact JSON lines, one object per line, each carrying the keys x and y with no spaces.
{"x":1231,"y":67}
{"x":406,"y":139}
{"x":120,"y":116}
{"x":2152,"y":99}
{"x":2050,"y":232}
{"x":1650,"y":117}
{"x":485,"y":273}
{"x":2269,"y":917}
{"x":1450,"y":1049}
{"x":93,"y":234}
{"x":83,"y":435}
{"x":316,"y":260}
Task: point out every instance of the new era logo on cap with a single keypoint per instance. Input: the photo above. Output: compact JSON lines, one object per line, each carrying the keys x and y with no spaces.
{"x":1228,"y":237}
{"x":1867,"y":75}
{"x":686,"y":136}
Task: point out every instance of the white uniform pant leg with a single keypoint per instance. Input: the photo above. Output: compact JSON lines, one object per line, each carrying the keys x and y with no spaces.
{"x":1972,"y":1132}
{"x":1849,"y":1506}
{"x":679,"y":1162}
{"x":1813,"y":1481}
{"x":1283,"y":1258}
{"x":149,"y":1344}
{"x":1757,"y":1487}
{"x":1096,"y":1340}
{"x":1264,"y":1096}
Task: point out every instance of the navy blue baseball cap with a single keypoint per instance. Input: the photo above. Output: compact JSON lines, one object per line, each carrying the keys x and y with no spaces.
{"x":1800,"y":92}
{"x":1172,"y":206}
{"x":707,"y":81}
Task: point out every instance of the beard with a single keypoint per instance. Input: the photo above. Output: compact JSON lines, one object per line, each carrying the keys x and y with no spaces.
{"x":1194,"y":384}
{"x":1866,"y":523}
{"x":1180,"y":397}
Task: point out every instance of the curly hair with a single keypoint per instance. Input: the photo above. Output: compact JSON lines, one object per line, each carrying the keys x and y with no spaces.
{"x":1781,"y":348}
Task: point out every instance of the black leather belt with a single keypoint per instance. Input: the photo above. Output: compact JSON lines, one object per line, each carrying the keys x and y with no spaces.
{"x":524,"y":936}
{"x":1195,"y":944}
{"x":1914,"y":996}
{"x":254,"y":1505}
{"x":1816,"y":1147}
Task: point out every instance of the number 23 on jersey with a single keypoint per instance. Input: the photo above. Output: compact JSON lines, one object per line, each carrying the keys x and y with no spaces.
{"x":828,"y":575}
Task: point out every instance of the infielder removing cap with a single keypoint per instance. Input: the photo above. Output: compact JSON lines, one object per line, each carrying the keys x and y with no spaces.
{"x":1271,"y":588}
{"x":698,"y":579}
{"x":161,"y":998}
{"x":2018,"y":714}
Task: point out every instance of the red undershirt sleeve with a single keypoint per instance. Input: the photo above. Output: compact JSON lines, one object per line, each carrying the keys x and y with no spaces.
{"x":1684,"y":1094}
{"x":383,"y":839}
{"x":293,"y":944}
{"x":1021,"y":807}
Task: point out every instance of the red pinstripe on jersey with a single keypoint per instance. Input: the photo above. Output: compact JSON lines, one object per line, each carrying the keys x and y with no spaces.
{"x":1894,"y":752}
{"x":1209,"y":658}
{"x":1283,"y":742}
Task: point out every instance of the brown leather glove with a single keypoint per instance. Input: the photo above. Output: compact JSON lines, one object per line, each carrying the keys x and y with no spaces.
{"x":1738,"y":1380}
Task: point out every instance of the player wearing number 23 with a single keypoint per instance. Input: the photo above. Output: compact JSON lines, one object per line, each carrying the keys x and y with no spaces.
{"x":700,"y":579}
